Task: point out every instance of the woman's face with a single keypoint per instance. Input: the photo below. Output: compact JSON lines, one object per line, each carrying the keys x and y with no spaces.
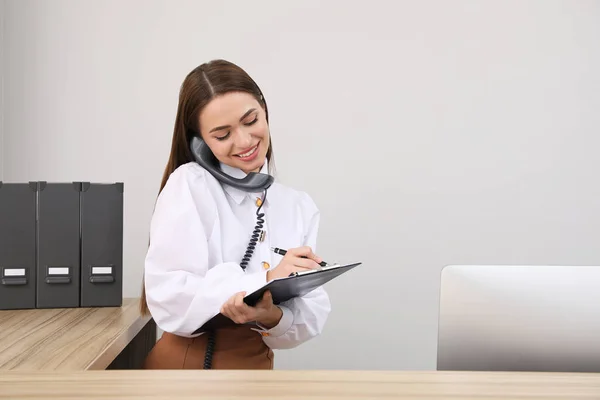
{"x":235,"y":128}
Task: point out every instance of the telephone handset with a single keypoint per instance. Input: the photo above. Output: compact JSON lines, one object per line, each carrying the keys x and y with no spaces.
{"x":253,"y":182}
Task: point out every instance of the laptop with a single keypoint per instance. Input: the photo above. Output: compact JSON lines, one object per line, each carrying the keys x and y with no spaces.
{"x":519,"y":318}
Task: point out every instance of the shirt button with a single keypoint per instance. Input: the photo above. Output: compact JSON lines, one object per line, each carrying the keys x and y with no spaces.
{"x":258,"y":202}
{"x":265,"y":265}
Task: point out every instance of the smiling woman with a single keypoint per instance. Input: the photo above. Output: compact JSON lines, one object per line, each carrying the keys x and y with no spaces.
{"x":199,"y":262}
{"x":241,"y":142}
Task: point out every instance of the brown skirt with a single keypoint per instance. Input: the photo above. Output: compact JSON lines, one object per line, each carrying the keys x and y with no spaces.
{"x":238,"y":347}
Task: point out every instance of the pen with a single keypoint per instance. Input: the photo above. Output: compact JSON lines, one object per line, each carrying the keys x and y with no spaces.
{"x":284,"y":252}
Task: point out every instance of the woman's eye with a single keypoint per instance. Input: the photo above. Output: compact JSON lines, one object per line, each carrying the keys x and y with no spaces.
{"x":222,"y":137}
{"x":251,"y":122}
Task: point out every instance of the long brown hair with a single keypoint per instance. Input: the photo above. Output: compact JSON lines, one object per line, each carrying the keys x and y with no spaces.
{"x":200,"y":86}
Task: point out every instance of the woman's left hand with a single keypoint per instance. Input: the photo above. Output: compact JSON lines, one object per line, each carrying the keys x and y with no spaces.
{"x":264,"y":312}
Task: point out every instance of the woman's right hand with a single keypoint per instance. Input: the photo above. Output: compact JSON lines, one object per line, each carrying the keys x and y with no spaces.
{"x":295,"y":260}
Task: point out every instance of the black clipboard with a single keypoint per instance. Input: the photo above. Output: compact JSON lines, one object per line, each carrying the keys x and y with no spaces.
{"x":283,"y":289}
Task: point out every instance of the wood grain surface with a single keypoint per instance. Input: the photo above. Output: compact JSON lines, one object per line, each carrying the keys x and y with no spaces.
{"x":255,"y":385}
{"x":67,"y":339}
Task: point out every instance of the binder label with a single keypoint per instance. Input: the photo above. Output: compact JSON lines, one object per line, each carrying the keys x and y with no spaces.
{"x":101,"y":270}
{"x":58,"y":271}
{"x":14,"y":272}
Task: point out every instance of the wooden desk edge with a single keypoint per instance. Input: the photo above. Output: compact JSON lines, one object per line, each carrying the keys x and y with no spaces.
{"x":252,"y":384}
{"x":318,"y":375}
{"x":110,"y":353}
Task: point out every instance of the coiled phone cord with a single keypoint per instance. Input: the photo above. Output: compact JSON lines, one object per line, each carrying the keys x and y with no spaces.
{"x":255,"y":234}
{"x":210,"y":345}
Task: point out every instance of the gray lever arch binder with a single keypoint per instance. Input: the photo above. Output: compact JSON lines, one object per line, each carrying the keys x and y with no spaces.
{"x":101,"y":244}
{"x":58,"y":245}
{"x":61,"y":245}
{"x":17,"y":245}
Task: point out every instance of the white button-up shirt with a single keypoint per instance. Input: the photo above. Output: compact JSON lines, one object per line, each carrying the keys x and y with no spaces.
{"x":199,"y":233}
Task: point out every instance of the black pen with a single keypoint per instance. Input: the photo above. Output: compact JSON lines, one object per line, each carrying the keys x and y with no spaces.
{"x":282,"y":252}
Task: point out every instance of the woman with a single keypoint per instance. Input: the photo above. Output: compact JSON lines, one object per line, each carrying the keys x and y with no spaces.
{"x":201,"y":229}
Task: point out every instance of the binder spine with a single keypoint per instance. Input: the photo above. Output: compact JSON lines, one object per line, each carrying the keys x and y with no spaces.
{"x":102,"y":223}
{"x":58,"y":265}
{"x":17,"y":245}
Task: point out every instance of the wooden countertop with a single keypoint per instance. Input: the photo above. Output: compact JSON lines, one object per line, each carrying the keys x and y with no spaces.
{"x":260,"y":385}
{"x":67,"y":339}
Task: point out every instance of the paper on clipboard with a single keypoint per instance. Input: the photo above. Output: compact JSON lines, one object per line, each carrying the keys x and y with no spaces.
{"x":312,"y":271}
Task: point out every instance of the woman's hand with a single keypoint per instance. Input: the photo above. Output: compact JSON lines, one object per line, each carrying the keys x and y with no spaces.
{"x":295,"y":260}
{"x":265,"y":312}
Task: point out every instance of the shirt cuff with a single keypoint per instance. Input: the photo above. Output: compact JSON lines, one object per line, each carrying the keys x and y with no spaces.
{"x":285,"y":323}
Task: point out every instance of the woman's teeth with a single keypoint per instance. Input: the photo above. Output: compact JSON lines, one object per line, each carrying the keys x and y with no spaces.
{"x":248,"y":153}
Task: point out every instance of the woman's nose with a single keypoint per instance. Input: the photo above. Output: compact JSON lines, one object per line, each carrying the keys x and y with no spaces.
{"x":243,"y":138}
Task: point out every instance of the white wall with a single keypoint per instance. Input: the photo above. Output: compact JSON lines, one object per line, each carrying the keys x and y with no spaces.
{"x":429,"y":133}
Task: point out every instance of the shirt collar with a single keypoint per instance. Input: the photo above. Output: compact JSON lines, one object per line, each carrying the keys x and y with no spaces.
{"x":236,"y":194}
